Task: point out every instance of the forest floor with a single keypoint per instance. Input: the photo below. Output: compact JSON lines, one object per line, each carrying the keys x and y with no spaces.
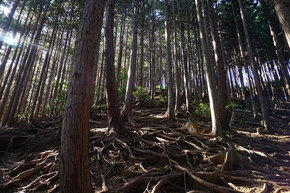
{"x":157,"y":155}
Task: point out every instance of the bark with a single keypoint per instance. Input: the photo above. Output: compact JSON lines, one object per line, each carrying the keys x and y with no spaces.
{"x":101,"y":16}
{"x":282,"y":9}
{"x":152,"y":51}
{"x":101,"y":74}
{"x":184,"y":58}
{"x":121,"y":40}
{"x":176,"y":63}
{"x":114,"y":117}
{"x":262,"y":99}
{"x":170,"y":106}
{"x":216,"y":125}
{"x":277,"y":46}
{"x":141,"y":65}
{"x":127,"y":109}
{"x":74,"y":158}
{"x":220,"y":64}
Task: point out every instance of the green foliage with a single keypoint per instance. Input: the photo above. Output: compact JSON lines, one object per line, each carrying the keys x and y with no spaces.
{"x":202,"y":110}
{"x":122,"y":90}
{"x":231,"y":105}
{"x":142,"y":97}
{"x":122,"y":77}
{"x":160,"y":101}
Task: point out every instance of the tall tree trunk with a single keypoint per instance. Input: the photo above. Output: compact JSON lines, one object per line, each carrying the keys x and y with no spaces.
{"x":101,"y":16}
{"x":152,"y":47}
{"x":242,"y":54}
{"x":25,"y":71}
{"x":277,"y":47}
{"x":282,"y":8}
{"x":220,"y":64}
{"x":262,"y":99}
{"x":74,"y":159}
{"x":216,"y":125}
{"x":141,"y":65}
{"x":184,"y":57}
{"x":40,"y":87}
{"x":52,"y":74}
{"x":114,"y":117}
{"x":170,"y":106}
{"x":122,"y":32}
{"x":127,"y":109}
{"x":176,"y":62}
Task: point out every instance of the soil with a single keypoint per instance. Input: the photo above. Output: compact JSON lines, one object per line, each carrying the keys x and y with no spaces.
{"x":157,"y":155}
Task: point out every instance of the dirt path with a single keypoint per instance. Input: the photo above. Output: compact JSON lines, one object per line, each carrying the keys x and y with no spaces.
{"x":156,"y":156}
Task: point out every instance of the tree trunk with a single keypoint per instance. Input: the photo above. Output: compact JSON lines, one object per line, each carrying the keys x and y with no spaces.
{"x":152,"y":51}
{"x":114,"y":117}
{"x":184,"y":58}
{"x":243,"y":57}
{"x":277,"y":46}
{"x":40,"y":87}
{"x":127,"y":109}
{"x":74,"y":158}
{"x":25,"y":71}
{"x":141,"y":65}
{"x":282,"y":8}
{"x":216,"y":125}
{"x":170,"y":106}
{"x":263,"y":102}
{"x":122,"y":32}
{"x":220,"y":64}
{"x":176,"y":62}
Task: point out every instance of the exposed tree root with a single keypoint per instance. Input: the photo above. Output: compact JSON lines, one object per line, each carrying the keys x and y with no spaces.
{"x":156,"y":155}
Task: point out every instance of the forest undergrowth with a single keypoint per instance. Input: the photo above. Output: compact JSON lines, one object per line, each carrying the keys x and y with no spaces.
{"x":156,"y":155}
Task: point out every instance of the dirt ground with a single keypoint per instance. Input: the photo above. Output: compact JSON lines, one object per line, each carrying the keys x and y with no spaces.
{"x":156,"y":155}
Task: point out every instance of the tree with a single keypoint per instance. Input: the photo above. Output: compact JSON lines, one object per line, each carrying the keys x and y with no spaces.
{"x":216,"y":125}
{"x":282,"y":9}
{"x":220,"y":63}
{"x":127,"y":109}
{"x":8,"y":22}
{"x":170,"y":107}
{"x":262,"y":100}
{"x":114,"y":117}
{"x":74,"y":159}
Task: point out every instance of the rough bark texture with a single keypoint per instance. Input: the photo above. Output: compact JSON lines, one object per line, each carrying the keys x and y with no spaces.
{"x":111,"y":86}
{"x":127,"y":110}
{"x":277,"y":46}
{"x":282,"y":8}
{"x":216,"y":126}
{"x":170,"y":106}
{"x":220,"y":63}
{"x":74,"y":159}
